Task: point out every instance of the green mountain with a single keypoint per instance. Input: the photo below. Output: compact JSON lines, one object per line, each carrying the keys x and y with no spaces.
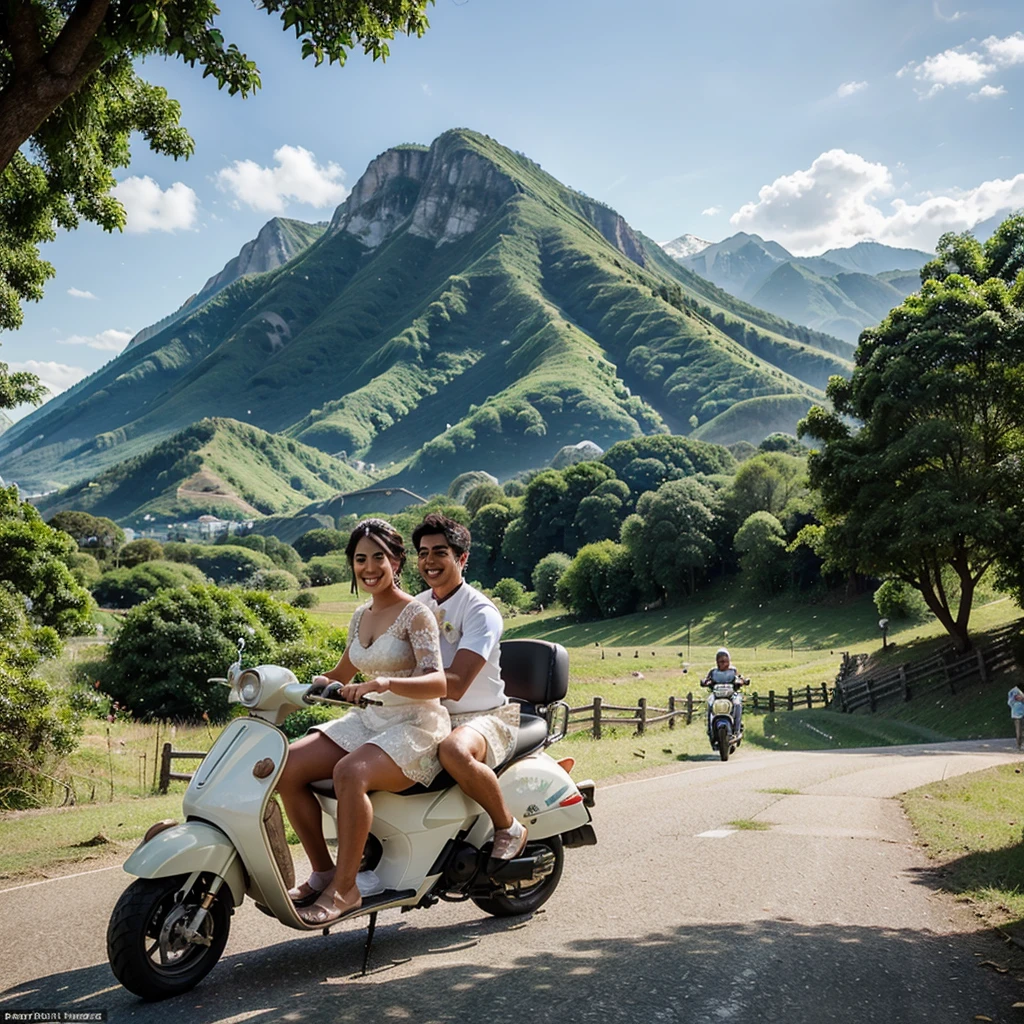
{"x":463,"y":310}
{"x":216,"y":466}
{"x":840,"y":292}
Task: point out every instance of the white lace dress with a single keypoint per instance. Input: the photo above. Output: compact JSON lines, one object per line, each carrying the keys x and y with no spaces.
{"x":406,"y":729}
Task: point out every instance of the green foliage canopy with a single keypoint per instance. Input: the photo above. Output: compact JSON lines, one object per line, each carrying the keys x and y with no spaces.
{"x":934,"y":477}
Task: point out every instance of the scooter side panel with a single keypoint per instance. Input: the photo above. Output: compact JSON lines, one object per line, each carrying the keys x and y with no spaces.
{"x":182,"y":849}
{"x":229,"y":792}
{"x":535,"y":790}
{"x":412,"y":831}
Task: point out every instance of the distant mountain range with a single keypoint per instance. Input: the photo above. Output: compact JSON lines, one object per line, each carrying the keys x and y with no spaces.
{"x":462,"y":310}
{"x":840,"y":292}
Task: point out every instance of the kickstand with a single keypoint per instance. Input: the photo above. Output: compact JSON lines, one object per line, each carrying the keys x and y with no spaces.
{"x":369,"y":940}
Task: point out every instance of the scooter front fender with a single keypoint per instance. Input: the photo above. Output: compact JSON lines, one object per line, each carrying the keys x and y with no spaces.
{"x":184,"y":849}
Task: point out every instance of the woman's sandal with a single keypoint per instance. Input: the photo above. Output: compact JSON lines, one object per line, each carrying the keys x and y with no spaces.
{"x":336,"y":907}
{"x":303,"y":895}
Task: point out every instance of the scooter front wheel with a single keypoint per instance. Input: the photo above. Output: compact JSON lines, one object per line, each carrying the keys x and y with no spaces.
{"x":146,"y":943}
{"x":526,"y":899}
{"x":723,"y":743}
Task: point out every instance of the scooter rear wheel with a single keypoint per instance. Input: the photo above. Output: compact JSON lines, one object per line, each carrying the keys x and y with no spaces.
{"x":147,"y":951}
{"x":525,"y":900}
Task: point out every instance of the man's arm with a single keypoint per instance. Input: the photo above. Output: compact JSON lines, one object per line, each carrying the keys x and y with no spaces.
{"x":463,"y":670}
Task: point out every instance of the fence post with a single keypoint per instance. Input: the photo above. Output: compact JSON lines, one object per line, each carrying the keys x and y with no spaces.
{"x":165,"y":768}
{"x":981,"y":666}
{"x":689,"y":708}
{"x":791,"y":698}
{"x":824,"y":694}
{"x":672,"y":712}
{"x":809,"y":703}
{"x":903,"y":683}
{"x":641,"y":710}
{"x":754,"y":700}
{"x":871,"y":694}
{"x":597,"y":718}
{"x":771,"y":701}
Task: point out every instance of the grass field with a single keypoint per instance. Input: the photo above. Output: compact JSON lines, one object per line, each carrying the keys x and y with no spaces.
{"x":112,"y":772}
{"x":971,"y":829}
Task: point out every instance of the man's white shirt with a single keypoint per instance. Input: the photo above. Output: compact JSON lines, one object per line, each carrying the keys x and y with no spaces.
{"x":469,"y":621}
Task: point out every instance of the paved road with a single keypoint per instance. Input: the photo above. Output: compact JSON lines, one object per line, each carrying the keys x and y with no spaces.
{"x":828,"y":915}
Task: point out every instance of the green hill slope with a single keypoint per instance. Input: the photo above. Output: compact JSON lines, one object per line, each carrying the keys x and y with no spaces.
{"x":217,"y":466}
{"x":463,"y":310}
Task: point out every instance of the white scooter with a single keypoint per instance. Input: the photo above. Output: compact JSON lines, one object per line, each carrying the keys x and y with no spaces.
{"x":427,"y":844}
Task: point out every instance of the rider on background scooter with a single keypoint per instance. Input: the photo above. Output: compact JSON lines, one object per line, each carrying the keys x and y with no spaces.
{"x":726,"y":672}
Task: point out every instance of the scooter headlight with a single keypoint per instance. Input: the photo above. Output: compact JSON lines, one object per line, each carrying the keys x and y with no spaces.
{"x":250,"y":688}
{"x":720,"y":707}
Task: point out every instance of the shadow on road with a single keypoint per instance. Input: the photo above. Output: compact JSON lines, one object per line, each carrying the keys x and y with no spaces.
{"x":772,"y":970}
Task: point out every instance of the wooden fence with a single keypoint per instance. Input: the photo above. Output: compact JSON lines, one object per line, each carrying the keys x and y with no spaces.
{"x":170,"y":754}
{"x":597,"y":715}
{"x":946,"y":669}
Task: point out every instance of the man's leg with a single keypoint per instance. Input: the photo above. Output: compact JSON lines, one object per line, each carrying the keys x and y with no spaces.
{"x":463,"y":755}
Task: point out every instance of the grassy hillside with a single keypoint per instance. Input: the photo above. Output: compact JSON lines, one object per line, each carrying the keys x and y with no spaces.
{"x":464,"y":310}
{"x":216,"y":466}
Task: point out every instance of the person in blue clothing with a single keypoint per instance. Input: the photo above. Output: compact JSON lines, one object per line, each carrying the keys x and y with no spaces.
{"x":1015,"y":698}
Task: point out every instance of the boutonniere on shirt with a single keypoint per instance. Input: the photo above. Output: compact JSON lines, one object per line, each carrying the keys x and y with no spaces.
{"x":448,"y":629}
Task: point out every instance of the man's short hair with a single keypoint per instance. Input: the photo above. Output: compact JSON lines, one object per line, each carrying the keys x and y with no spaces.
{"x":457,"y":535}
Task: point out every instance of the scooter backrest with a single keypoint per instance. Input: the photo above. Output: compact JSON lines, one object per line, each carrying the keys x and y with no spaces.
{"x":534,"y":671}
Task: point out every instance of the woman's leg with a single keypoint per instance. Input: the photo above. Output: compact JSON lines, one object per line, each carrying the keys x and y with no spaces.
{"x":366,"y":768}
{"x":309,"y":759}
{"x":1018,"y":725}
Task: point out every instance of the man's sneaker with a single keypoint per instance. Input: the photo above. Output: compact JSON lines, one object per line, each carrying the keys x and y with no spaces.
{"x":368,"y":883}
{"x":509,"y":842}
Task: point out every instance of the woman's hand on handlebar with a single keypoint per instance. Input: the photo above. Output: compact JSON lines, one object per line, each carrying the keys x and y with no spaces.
{"x":355,"y":692}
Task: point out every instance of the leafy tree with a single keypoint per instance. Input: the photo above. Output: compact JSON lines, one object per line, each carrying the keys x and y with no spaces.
{"x":767,"y":483}
{"x":488,"y":528}
{"x":600,"y":582}
{"x":546,"y":574}
{"x":223,"y":563}
{"x":895,"y":599}
{"x":90,"y":531}
{"x":322,"y":572}
{"x":509,"y":591}
{"x":125,"y":588}
{"x":681,"y":456}
{"x":135,"y":552}
{"x":34,"y":561}
{"x":70,"y":100}
{"x":272,"y":580}
{"x":485,"y":494}
{"x":670,"y":538}
{"x":932,"y":482}
{"x":465,"y":483}
{"x":320,"y":542}
{"x":761,"y":543}
{"x":780,"y":442}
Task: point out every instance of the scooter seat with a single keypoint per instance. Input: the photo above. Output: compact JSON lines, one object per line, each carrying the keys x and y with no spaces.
{"x":533,"y":731}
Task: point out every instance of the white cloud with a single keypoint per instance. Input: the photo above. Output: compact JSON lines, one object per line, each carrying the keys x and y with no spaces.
{"x":957,"y":66}
{"x":988,"y":92}
{"x":57,"y":377}
{"x":151,"y":208}
{"x":1008,"y":51}
{"x":711,"y":211}
{"x":849,"y":88}
{"x":106,"y":341}
{"x":297,"y":176}
{"x":427,"y":91}
{"x":838,"y":201}
{"x":77,"y":293}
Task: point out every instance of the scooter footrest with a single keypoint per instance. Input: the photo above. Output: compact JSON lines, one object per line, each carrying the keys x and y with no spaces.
{"x":387,"y":897}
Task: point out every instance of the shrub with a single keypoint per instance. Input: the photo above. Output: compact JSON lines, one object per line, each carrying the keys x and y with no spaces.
{"x":510,"y":592}
{"x":306,"y":599}
{"x":320,"y":542}
{"x":145,"y":549}
{"x":324,"y":571}
{"x":272,"y":580}
{"x":546,"y":574}
{"x":125,"y":588}
{"x":895,"y":599}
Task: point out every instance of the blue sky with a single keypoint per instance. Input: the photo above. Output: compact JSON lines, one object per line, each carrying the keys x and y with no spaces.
{"x":812,"y":122}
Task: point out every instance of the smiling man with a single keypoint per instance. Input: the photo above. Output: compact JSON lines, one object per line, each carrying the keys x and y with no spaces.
{"x":484,"y":723}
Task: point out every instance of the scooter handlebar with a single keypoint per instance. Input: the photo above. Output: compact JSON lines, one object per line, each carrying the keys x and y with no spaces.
{"x":328,"y":695}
